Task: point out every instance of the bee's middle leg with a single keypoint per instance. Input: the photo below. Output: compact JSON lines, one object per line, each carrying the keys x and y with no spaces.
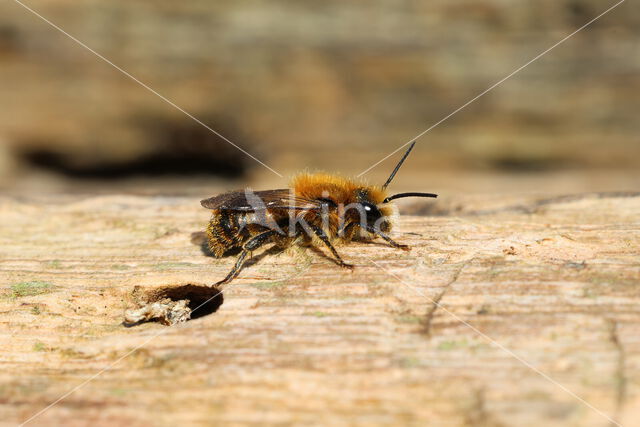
{"x":250,"y":246}
{"x":323,"y":236}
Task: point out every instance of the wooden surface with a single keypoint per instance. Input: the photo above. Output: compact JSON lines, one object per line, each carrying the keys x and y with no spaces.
{"x":554,"y":283}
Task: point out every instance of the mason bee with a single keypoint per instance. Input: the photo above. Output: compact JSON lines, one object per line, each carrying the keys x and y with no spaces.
{"x":319,"y":208}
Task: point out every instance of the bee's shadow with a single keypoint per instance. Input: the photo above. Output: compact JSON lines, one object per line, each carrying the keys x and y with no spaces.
{"x":199,"y":238}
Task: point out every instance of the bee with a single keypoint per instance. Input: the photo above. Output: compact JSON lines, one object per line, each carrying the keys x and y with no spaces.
{"x":317,"y":209}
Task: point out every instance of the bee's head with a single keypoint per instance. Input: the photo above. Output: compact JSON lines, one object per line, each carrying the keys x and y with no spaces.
{"x":374,"y":211}
{"x":374,"y":205}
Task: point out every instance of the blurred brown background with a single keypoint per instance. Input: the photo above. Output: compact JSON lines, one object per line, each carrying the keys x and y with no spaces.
{"x":320,"y":85}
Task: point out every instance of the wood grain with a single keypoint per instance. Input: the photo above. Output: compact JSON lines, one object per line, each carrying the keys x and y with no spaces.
{"x":299,"y":340}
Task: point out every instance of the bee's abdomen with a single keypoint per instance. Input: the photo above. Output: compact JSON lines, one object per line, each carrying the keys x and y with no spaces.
{"x":224,"y":231}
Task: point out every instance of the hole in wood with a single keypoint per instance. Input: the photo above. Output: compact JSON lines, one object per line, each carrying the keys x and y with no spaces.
{"x":175,"y":304}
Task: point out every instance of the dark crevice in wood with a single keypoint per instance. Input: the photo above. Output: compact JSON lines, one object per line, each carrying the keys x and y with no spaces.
{"x":620,"y":378}
{"x":476,"y":414}
{"x":436,"y":302}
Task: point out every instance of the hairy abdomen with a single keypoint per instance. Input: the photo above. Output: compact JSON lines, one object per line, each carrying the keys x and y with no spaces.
{"x":225,"y":232}
{"x":229,"y":230}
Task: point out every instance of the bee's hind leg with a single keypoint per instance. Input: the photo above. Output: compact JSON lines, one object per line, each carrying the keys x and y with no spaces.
{"x":250,"y":246}
{"x":389,"y":239}
{"x":323,"y":236}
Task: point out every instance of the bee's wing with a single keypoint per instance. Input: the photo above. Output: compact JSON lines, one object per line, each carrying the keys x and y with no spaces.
{"x":260,"y":200}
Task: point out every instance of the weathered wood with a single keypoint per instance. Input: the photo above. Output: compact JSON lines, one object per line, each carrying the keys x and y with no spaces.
{"x":299,"y":340}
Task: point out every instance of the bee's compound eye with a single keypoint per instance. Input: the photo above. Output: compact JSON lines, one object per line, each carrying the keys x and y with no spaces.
{"x":367,"y":208}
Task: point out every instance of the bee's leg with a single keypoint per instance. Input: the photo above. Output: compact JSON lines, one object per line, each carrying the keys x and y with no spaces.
{"x":389,"y":239}
{"x":251,"y":245}
{"x":323,"y":236}
{"x":236,"y":268}
{"x":349,"y":230}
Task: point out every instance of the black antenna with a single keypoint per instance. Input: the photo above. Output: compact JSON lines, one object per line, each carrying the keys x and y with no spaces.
{"x":401,"y":195}
{"x":398,"y":165}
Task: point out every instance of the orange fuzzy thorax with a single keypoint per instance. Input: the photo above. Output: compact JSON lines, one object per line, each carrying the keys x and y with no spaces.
{"x":339,"y":189}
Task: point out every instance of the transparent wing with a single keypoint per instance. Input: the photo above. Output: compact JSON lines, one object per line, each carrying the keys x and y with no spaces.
{"x":251,"y":201}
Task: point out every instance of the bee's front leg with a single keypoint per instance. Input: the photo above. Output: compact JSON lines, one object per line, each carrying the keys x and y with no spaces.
{"x":323,"y":236}
{"x":389,"y":240}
